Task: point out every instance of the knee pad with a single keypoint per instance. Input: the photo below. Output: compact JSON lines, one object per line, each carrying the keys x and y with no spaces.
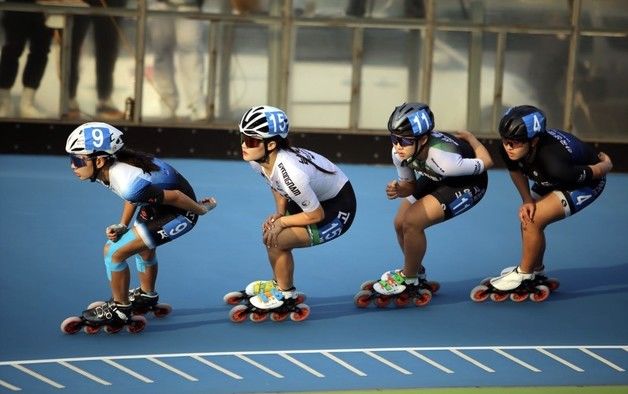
{"x":141,"y":264}
{"x":129,"y":236}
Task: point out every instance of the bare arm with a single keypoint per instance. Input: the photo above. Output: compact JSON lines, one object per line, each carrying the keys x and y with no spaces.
{"x":180,"y":200}
{"x":602,"y":168}
{"x":480,"y":150}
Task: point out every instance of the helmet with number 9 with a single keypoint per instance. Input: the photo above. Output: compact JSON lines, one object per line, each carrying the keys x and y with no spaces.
{"x":522,"y":123}
{"x":411,"y":120}
{"x":264,"y":122}
{"x":94,"y":139}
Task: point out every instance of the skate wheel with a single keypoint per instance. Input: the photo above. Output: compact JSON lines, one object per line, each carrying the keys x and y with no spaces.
{"x":499,"y":297}
{"x":518,"y":297}
{"x":71,"y":325}
{"x":368,"y":285}
{"x":95,"y":304}
{"x":552,"y":284}
{"x":479,"y":293}
{"x":423,"y":298}
{"x":257,"y":316}
{"x":402,"y":300}
{"x":238,"y":313}
{"x":91,"y":330}
{"x":541,"y":293}
{"x":362,"y":299}
{"x":234,"y":297}
{"x":302,"y":312}
{"x":381,"y":301}
{"x":434,"y":286}
{"x":162,"y":310}
{"x":137,"y":324}
{"x":278,"y":316}
{"x":112,"y":329}
{"x":486,"y":281}
{"x":300,"y":298}
{"x":140,"y":311}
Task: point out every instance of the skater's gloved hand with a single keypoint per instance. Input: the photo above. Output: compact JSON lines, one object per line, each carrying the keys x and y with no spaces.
{"x":208,"y":203}
{"x":115,"y":231}
{"x":392,"y":190}
{"x":526,"y":213}
{"x":270,"y":235}
{"x":268,"y":223}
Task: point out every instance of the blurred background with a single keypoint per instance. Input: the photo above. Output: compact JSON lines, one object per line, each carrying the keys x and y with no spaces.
{"x":337,"y":67}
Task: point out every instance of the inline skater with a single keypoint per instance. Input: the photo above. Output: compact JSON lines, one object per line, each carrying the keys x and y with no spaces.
{"x":167,"y":210}
{"x":567,"y":175}
{"x":440,"y":176}
{"x":314,"y":204}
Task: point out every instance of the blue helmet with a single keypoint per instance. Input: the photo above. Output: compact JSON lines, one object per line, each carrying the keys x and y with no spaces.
{"x":411,"y":120}
{"x":265,"y":122}
{"x":522,"y":123}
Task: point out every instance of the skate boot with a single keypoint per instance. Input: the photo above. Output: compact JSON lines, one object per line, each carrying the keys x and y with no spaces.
{"x":395,"y":286}
{"x":511,"y":284}
{"x":110,"y":315}
{"x":252,"y":289}
{"x":540,"y":278}
{"x":143,"y":303}
{"x":274,"y":302}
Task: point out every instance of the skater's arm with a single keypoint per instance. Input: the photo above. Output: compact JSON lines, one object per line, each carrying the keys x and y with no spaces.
{"x":178,"y":199}
{"x":281,"y":203}
{"x":399,"y":189}
{"x":127,"y":213}
{"x":528,"y":207}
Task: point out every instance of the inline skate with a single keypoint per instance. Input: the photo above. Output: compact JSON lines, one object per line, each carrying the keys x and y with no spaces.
{"x":516,"y":286}
{"x":252,"y":289}
{"x":274,"y":302}
{"x":394,"y":287}
{"x":109,"y":316}
{"x":142,"y":303}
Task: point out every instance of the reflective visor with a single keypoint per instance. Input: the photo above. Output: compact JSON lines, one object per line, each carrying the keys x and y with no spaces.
{"x":77,"y":161}
{"x":403,"y":141}
{"x":250,"y":142}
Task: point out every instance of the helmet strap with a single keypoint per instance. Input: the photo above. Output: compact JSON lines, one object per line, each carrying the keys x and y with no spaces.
{"x":96,"y":170}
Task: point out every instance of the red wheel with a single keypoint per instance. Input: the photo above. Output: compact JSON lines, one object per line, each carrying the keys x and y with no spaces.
{"x":499,"y":297}
{"x":162,"y":310}
{"x":541,"y":293}
{"x":140,"y":311}
{"x":479,"y":293}
{"x":368,"y":285}
{"x":552,"y":284}
{"x":258,"y":317}
{"x":137,"y":324}
{"x":91,"y":330}
{"x":301,"y":298}
{"x":278,"y":316}
{"x":362,"y":299}
{"x":71,"y":325}
{"x":402,"y":300}
{"x":434,"y":286}
{"x":238,"y":313}
{"x":302,"y":313}
{"x":112,"y":329}
{"x":518,"y":297}
{"x":381,"y":301}
{"x":486,"y":281}
{"x":423,"y":298}
{"x":234,"y":297}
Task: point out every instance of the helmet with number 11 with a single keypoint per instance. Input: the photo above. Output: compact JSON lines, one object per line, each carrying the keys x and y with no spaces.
{"x":411,"y":120}
{"x":522,"y":123}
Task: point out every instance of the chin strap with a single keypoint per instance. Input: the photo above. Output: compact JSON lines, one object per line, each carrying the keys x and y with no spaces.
{"x":417,"y":150}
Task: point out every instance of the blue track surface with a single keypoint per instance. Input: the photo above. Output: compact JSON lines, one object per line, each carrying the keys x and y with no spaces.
{"x":51,"y":238}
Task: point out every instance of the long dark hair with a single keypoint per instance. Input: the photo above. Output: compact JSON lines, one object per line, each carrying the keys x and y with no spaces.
{"x":137,"y":159}
{"x":283,"y":143}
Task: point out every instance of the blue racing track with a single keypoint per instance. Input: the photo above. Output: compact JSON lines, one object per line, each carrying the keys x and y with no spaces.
{"x":52,"y":234}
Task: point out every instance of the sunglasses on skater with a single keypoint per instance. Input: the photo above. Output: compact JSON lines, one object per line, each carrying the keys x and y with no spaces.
{"x":403,"y":141}
{"x":78,"y":161}
{"x":513,"y":144}
{"x":250,"y":142}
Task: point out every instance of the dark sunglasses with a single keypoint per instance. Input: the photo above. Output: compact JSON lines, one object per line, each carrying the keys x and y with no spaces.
{"x":513,"y":144}
{"x":250,"y":142}
{"x":403,"y":141}
{"x":77,"y":161}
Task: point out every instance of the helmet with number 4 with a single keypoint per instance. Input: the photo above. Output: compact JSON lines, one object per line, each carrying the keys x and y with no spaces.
{"x":264,"y":122}
{"x":522,"y":123}
{"x":411,"y":120}
{"x":94,"y":139}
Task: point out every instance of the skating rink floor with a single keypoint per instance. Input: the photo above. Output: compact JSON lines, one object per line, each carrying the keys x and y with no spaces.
{"x":51,"y":238}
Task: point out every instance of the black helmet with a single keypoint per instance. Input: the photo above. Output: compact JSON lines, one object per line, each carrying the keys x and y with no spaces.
{"x":411,"y":120}
{"x":522,"y":123}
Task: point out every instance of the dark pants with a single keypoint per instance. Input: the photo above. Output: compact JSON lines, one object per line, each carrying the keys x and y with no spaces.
{"x":20,"y":27}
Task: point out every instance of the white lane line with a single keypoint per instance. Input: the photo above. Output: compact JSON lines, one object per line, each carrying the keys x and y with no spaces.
{"x":258,"y":365}
{"x":389,"y":363}
{"x":127,"y":370}
{"x":602,"y":359}
{"x":430,"y":361}
{"x":85,"y":373}
{"x":471,"y":360}
{"x":38,"y":376}
{"x":217,"y":367}
{"x":9,"y":386}
{"x":300,"y":364}
{"x":560,"y":360}
{"x":344,"y":364}
{"x":518,"y":361}
{"x":173,"y":369}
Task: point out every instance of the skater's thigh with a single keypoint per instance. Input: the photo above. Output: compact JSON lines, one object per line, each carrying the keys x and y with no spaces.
{"x":549,"y":209}
{"x":130,"y":248}
{"x":425,"y":212}
{"x":294,"y":237}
